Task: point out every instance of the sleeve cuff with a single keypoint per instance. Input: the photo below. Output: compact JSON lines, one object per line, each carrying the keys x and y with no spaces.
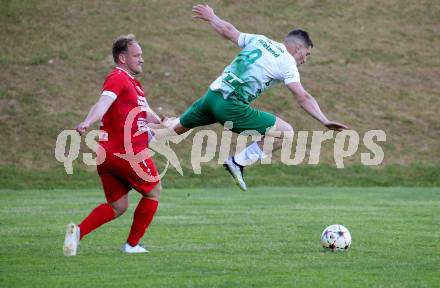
{"x":109,"y":94}
{"x":291,"y":80}
{"x":241,"y":40}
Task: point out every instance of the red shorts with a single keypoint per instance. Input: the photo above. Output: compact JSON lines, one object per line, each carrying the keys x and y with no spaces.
{"x":118,"y":177}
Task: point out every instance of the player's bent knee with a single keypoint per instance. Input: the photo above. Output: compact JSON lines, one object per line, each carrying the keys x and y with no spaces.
{"x":287,"y":127}
{"x":119,"y":209}
{"x":120,"y":206}
{"x":155,"y":192}
{"x":158,"y":188}
{"x":283,"y":126}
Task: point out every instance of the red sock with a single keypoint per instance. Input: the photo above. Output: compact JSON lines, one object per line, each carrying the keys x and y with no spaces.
{"x":143,"y":215}
{"x":101,"y":214}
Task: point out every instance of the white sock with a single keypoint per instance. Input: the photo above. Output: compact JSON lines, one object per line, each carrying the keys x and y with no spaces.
{"x":250,"y":155}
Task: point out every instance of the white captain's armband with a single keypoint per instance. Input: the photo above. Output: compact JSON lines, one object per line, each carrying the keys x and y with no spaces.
{"x":109,"y":94}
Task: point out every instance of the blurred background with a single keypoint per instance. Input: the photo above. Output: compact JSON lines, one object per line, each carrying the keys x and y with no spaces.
{"x":375,"y":66}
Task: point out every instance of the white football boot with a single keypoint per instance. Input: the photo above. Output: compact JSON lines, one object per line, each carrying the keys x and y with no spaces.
{"x":71,"y":241}
{"x":127,"y":248}
{"x":236,"y":172}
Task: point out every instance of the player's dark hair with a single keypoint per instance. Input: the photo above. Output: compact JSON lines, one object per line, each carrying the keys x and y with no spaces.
{"x":120,"y":45}
{"x":301,"y":35}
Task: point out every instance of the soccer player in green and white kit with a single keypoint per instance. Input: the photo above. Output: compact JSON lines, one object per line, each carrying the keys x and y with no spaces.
{"x":261,"y":63}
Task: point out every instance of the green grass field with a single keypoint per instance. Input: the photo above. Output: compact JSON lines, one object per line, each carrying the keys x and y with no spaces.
{"x":267,"y":237}
{"x":375,"y":66}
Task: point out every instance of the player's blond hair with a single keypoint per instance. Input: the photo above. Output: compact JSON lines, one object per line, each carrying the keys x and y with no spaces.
{"x":120,"y":45}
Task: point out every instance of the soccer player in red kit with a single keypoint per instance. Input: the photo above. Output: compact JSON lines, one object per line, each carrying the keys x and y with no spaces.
{"x":121,"y":95}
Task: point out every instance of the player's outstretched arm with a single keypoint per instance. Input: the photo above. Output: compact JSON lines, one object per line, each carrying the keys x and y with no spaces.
{"x":309,"y":104}
{"x":96,"y":113}
{"x":222,"y":27}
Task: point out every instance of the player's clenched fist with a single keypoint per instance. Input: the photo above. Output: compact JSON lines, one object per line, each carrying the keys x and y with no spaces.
{"x":82,"y":127}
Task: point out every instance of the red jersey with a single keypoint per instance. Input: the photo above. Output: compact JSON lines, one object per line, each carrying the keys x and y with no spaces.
{"x":128,"y":94}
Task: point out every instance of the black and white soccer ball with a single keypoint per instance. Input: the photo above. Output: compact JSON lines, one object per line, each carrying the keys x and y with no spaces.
{"x":336,"y":238}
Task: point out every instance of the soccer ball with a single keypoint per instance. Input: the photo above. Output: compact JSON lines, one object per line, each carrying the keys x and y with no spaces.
{"x":336,"y":238}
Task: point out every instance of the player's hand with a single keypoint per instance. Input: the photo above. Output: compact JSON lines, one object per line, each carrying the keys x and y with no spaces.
{"x":82,"y":127}
{"x":203,"y":12}
{"x":335,"y":126}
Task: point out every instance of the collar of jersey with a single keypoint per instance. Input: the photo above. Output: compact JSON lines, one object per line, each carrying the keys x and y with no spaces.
{"x":131,"y":76}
